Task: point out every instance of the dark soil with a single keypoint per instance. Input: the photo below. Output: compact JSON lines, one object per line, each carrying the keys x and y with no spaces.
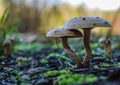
{"x":26,"y":68}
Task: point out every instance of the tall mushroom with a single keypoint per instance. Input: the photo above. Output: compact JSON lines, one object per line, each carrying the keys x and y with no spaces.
{"x":64,"y":35}
{"x":86,"y":23}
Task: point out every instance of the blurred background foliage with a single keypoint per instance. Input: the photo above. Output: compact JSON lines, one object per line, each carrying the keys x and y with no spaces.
{"x":40,"y":16}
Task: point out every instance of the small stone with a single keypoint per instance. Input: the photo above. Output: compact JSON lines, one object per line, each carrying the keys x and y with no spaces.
{"x":5,"y":83}
{"x":55,"y":82}
{"x":12,"y":80}
{"x":96,"y":67}
{"x":35,"y":71}
{"x":7,"y":68}
{"x":80,"y":70}
{"x":25,"y":77}
{"x":42,"y":82}
{"x":98,"y":59}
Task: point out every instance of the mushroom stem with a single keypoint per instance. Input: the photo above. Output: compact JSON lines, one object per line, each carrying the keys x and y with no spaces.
{"x":70,"y":52}
{"x":87,"y":45}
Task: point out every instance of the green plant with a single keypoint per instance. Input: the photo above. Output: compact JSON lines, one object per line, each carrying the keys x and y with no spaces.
{"x":6,"y":32}
{"x":3,"y":21}
{"x":57,"y":45}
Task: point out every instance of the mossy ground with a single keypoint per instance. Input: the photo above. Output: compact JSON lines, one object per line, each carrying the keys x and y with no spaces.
{"x":43,"y":63}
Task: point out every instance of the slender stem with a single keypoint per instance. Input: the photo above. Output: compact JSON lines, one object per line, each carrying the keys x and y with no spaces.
{"x":59,"y":50}
{"x":86,"y":41}
{"x":70,"y":52}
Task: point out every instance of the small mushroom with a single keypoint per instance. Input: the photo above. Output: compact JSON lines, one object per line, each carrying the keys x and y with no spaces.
{"x":86,"y":23}
{"x":64,"y":35}
{"x":106,"y":43}
{"x":7,"y":44}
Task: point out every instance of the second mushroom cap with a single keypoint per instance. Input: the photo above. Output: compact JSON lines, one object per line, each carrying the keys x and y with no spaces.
{"x":57,"y":33}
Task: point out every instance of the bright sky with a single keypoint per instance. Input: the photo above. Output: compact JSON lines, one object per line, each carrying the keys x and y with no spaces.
{"x":101,"y":4}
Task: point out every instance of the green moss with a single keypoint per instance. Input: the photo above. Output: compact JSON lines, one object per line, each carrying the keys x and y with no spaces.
{"x":106,"y":64}
{"x":33,"y":47}
{"x":55,"y":73}
{"x":44,"y":61}
{"x":61,"y":57}
{"x":90,"y":78}
{"x":2,"y":57}
{"x":70,"y":79}
{"x":58,"y":56}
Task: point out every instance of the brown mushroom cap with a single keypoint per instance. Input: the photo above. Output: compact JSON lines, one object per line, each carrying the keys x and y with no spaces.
{"x":86,"y":22}
{"x":58,"y":33}
{"x":8,"y":42}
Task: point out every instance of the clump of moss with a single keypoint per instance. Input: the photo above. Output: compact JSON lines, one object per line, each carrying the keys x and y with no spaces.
{"x":59,"y":57}
{"x":106,"y":65}
{"x":54,"y":73}
{"x":71,"y":79}
{"x":90,"y":78}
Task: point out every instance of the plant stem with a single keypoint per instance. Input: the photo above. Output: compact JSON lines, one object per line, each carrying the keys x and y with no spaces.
{"x":86,"y":41}
{"x":70,"y":52}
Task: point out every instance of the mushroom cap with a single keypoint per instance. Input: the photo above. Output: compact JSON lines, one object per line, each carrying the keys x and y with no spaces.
{"x":86,"y":22}
{"x":8,"y":42}
{"x":104,"y":40}
{"x":58,"y":33}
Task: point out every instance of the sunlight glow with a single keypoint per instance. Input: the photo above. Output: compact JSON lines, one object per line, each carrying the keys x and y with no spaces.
{"x":100,"y":4}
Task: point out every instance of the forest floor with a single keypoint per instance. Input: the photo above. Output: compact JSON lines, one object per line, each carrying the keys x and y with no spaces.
{"x":49,"y":64}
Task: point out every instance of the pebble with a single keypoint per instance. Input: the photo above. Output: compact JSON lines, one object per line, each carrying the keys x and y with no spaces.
{"x":80,"y":70}
{"x":33,"y":71}
{"x":25,"y":77}
{"x":98,"y":59}
{"x":42,"y":82}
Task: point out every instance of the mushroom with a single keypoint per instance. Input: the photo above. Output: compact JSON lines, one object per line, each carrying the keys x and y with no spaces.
{"x":86,"y":23}
{"x":106,"y":43}
{"x":64,"y":35}
{"x":7,"y":44}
